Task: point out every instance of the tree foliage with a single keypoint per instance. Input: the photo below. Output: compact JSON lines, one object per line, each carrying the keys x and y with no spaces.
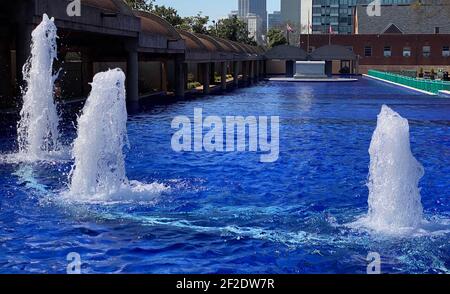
{"x":170,"y":15}
{"x":275,"y":38}
{"x":143,"y":5}
{"x":233,"y":29}
{"x":196,"y":24}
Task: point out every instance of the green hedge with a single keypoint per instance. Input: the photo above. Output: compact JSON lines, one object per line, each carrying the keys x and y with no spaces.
{"x":426,"y":85}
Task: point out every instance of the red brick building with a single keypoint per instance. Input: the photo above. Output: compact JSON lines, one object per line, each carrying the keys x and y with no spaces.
{"x":391,"y":52}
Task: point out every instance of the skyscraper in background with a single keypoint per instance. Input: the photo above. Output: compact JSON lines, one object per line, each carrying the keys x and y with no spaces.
{"x":291,"y":12}
{"x":339,"y":14}
{"x":291,"y":15}
{"x":306,"y":16}
{"x":254,"y":24}
{"x":275,"y":20}
{"x":257,"y":7}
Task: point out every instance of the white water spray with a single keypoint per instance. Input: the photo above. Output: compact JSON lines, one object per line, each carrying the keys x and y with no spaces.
{"x":102,"y":134}
{"x":38,"y":127}
{"x":394,"y":195}
{"x":99,"y":169}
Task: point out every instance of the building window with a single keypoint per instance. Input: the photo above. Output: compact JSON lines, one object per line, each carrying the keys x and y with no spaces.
{"x":426,"y":51}
{"x":446,"y":51}
{"x":387,"y":51}
{"x":406,"y":51}
{"x":367,"y":51}
{"x":436,"y":30}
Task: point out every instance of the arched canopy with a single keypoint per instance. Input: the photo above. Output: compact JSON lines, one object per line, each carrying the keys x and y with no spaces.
{"x":153,"y":24}
{"x":157,"y":34}
{"x":333,"y":52}
{"x":197,"y":50}
{"x":116,"y":6}
{"x":212,"y":42}
{"x":243,"y":49}
{"x":219,"y":50}
{"x":102,"y":17}
{"x":286,"y":52}
{"x":231,"y":47}
{"x":193,"y":43}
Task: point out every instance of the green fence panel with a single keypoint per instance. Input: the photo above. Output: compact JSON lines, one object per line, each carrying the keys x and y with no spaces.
{"x":425,"y":85}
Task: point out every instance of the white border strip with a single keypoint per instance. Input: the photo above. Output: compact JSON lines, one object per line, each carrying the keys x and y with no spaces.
{"x":444,"y":93}
{"x":400,"y":85}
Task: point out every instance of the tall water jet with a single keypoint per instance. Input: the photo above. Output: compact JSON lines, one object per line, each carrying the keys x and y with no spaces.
{"x":102,"y":134}
{"x":38,"y":127}
{"x":394,"y":174}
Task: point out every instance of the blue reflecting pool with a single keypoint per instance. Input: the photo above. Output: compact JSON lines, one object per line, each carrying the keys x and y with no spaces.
{"x":227,"y":212}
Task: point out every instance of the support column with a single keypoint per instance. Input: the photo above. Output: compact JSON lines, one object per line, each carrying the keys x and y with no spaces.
{"x":329,"y":68}
{"x":132,"y":75}
{"x":87,"y":71}
{"x":186,"y":75}
{"x":223,"y":76}
{"x":212,"y":77}
{"x":25,"y":12}
{"x":261,"y":69}
{"x":244,"y":73}
{"x":23,"y":51}
{"x":264,"y":68}
{"x":179,"y":78}
{"x":248,"y":71}
{"x":236,"y":74}
{"x":5,"y":72}
{"x":252,"y":72}
{"x":205,"y":69}
{"x":289,"y":68}
{"x":164,"y":76}
{"x":257,"y":76}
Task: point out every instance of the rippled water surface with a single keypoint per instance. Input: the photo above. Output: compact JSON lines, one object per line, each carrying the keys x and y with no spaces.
{"x":227,"y":212}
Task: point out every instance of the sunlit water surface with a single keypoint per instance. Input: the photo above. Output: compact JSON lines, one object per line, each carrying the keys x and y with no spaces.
{"x":227,"y":212}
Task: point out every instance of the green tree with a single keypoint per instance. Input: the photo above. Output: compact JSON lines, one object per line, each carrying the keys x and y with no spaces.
{"x":196,"y":24}
{"x":275,"y":38}
{"x":170,"y":15}
{"x":144,"y":5}
{"x":233,"y":29}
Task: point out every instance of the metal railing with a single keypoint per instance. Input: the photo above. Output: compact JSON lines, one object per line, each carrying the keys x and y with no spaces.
{"x":425,"y":85}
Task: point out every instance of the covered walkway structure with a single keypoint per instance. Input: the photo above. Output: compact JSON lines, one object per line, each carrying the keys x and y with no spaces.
{"x":331,"y":54}
{"x":157,"y":58}
{"x":347,"y":59}
{"x":282,"y":59}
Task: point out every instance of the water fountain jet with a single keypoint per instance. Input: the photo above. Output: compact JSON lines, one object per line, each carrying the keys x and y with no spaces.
{"x":102,"y":134}
{"x":394,"y":174}
{"x":38,"y":127}
{"x":98,"y":172}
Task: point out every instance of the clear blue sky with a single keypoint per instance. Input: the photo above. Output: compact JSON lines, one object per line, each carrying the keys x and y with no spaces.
{"x":215,"y":9}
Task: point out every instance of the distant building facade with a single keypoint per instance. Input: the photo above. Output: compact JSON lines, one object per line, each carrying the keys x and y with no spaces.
{"x":258,"y":7}
{"x":390,"y":52}
{"x":291,"y":15}
{"x":404,"y":19}
{"x":339,"y":14}
{"x":275,"y":20}
{"x":255,"y":27}
{"x":233,"y":13}
{"x":291,"y":12}
{"x":306,"y":16}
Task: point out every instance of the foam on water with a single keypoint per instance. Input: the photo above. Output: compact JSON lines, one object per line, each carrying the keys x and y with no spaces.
{"x":98,"y":172}
{"x":38,"y":127}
